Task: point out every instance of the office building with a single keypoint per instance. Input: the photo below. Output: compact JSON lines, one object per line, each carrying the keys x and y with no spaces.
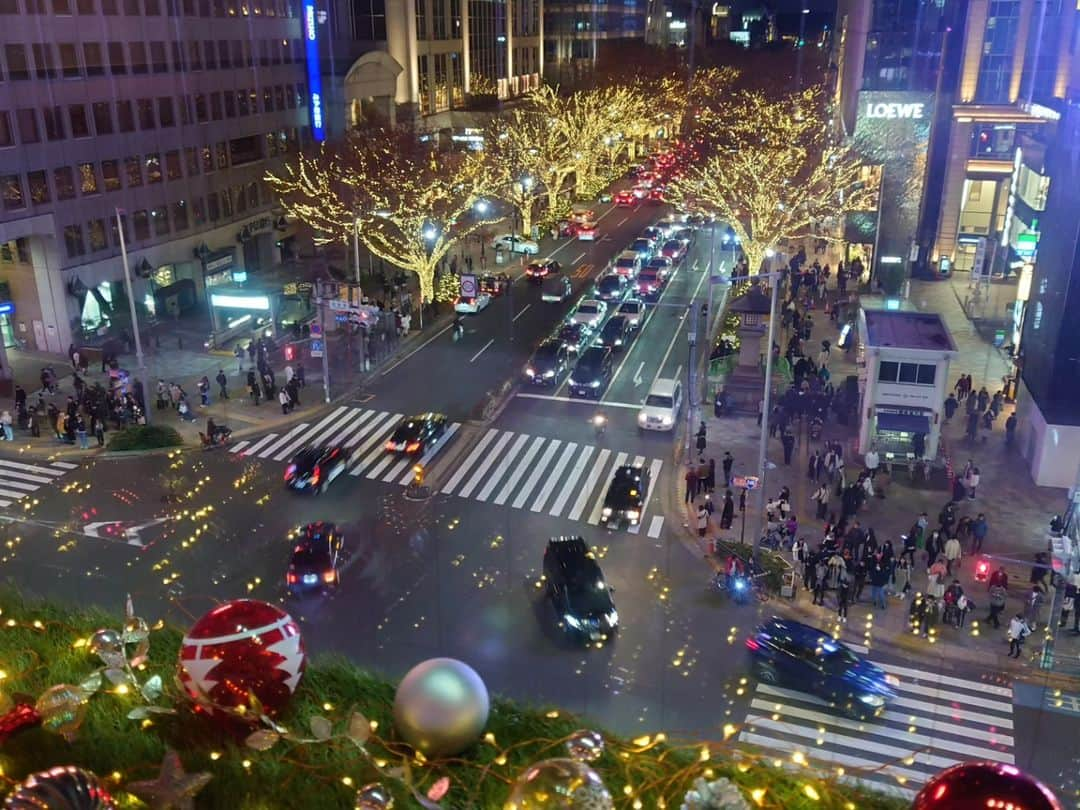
{"x":575,"y":33}
{"x":171,"y":111}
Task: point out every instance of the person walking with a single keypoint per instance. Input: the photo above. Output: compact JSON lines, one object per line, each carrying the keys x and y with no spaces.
{"x":284,"y":401}
{"x":702,"y":476}
{"x":997,"y":598}
{"x":6,"y":422}
{"x":812,"y":466}
{"x":821,"y":574}
{"x":238,"y":352}
{"x":952,"y":553}
{"x":872,"y":462}
{"x":1033,"y":605}
{"x":979,"y":530}
{"x":879,"y":578}
{"x":710,"y":478}
{"x":787,"y":439}
{"x":843,"y":595}
{"x":902,"y":577}
{"x":951,"y":405}
{"x":80,"y":432}
{"x":691,"y":483}
{"x":701,"y":441}
{"x":99,"y":430}
{"x":971,"y":481}
{"x":821,"y":498}
{"x":223,"y":384}
{"x":727,"y":513}
{"x":1018,"y":631}
{"x":702,"y":520}
{"x":726,"y":465}
{"x":204,"y":390}
{"x":254,"y":389}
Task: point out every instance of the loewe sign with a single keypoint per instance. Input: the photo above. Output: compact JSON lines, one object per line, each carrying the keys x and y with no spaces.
{"x":893,"y":110}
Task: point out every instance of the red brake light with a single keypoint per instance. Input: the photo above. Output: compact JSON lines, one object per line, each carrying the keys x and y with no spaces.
{"x":984,"y":567}
{"x":412,"y":447}
{"x":752,"y":644}
{"x":329,"y":576}
{"x":291,"y":578}
{"x":315,"y":475}
{"x":290,"y":471}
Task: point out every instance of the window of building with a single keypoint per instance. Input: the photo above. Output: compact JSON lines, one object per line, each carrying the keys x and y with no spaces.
{"x":38,"y":180}
{"x":198,"y":212}
{"x":264,"y":53}
{"x":64,"y":181}
{"x":926,"y":374}
{"x":61,"y":8}
{"x":230,"y":105}
{"x":145,"y":107}
{"x":103,"y":124}
{"x":80,"y":124}
{"x":223,"y":53}
{"x":200,"y":108}
{"x":173,"y":170}
{"x":245,"y":150}
{"x":44,"y":64}
{"x":179,"y":59}
{"x":7,"y":131}
{"x":86,"y":7}
{"x":12,"y":190}
{"x":290,"y":97}
{"x":152,"y":8}
{"x":138,"y":57}
{"x":158,"y":60}
{"x":73,"y":240}
{"x":209,"y":55}
{"x":153,"y":168}
{"x":160,"y":217}
{"x":238,"y":202}
{"x":69,"y":60}
{"x":242,"y":102}
{"x":17,"y":64}
{"x":110,"y":175}
{"x":207,"y":156}
{"x":421,"y":19}
{"x":191,"y":161}
{"x":92,"y":59}
{"x":194,"y":53}
{"x":279,"y":98}
{"x":248,"y":53}
{"x":253,"y":195}
{"x":125,"y":116}
{"x":132,"y":8}
{"x":26,"y":118}
{"x":117,"y":63}
{"x":140,"y":222}
{"x":108,"y":8}
{"x":215,"y":106}
{"x":268,"y":99}
{"x":222,"y":155}
{"x":133,"y":171}
{"x":54,"y":123}
{"x":9,"y":7}
{"x":88,"y":182}
{"x":907,"y":373}
{"x":237,"y":54}
{"x":213,"y":210}
{"x":180,"y":215}
{"x":115,"y":231}
{"x":166,"y":115}
{"x":95,"y":235}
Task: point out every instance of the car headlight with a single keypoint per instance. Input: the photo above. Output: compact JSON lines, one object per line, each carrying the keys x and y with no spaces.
{"x":667,"y":420}
{"x":594,"y":384}
{"x":613,"y":617}
{"x":573,"y":384}
{"x":618,"y":341}
{"x":606,"y":512}
{"x":571,"y":621}
{"x":642,"y":419}
{"x":633,"y":514}
{"x":549,"y":374}
{"x":892,"y":680}
{"x":876,"y":701}
{"x":530,"y":373}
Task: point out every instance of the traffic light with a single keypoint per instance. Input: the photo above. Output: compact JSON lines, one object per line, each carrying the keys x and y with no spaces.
{"x":290,"y":352}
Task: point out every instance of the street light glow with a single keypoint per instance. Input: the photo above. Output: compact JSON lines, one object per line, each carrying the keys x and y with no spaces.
{"x":429,"y":233}
{"x":482,"y":206}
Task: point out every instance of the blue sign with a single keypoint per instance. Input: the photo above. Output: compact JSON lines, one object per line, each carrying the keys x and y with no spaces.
{"x":311,"y":47}
{"x":7,"y":307}
{"x":317,"y":348}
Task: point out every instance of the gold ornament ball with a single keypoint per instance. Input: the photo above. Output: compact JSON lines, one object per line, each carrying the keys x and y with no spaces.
{"x":559,"y":784}
{"x":441,"y":707}
{"x":374,"y":797}
{"x":105,"y":642}
{"x":585,"y":745}
{"x":62,"y":709}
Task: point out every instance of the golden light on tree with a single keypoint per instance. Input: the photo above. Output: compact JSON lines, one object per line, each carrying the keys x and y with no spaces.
{"x":409,"y":203}
{"x":771,"y":175}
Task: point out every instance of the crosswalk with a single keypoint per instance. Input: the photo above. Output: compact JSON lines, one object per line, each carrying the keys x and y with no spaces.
{"x":505,"y":468}
{"x":936,"y":721}
{"x":19,"y":479}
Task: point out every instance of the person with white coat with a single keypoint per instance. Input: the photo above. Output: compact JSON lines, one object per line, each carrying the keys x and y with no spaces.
{"x":1018,"y":631}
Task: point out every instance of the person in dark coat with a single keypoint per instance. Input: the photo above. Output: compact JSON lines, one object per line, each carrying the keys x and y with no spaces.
{"x":727,"y":514}
{"x":726,"y":464}
{"x":710,"y":479}
{"x":788,"y":440}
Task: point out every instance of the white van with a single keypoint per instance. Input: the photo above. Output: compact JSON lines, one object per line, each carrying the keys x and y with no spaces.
{"x":662,"y":405}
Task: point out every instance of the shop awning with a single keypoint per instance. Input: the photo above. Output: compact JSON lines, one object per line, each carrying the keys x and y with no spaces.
{"x":903,"y":422}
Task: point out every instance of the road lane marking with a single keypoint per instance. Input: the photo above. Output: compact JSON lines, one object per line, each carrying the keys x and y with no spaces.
{"x":678,"y":331}
{"x":1001,"y":691}
{"x":350,"y":424}
{"x":516,"y":476}
{"x":656,"y":526}
{"x":289,"y":448}
{"x":504,"y":465}
{"x":17,"y":465}
{"x":7,"y":493}
{"x":236,"y":448}
{"x":65,"y":465}
{"x":259,"y":444}
{"x":654,"y":475}
{"x":538,"y":471}
{"x":517,"y":316}
{"x":637,"y":374}
{"x":632,"y":405}
{"x":387,"y":459}
{"x":366,"y":429}
{"x":590,"y":483}
{"x":598,"y":504}
{"x":579,"y":258}
{"x":471,"y":459}
{"x":288,"y":437}
{"x":568,"y":485}
{"x":473,"y":360}
{"x":621,"y":221}
{"x":485,"y":465}
{"x":373,"y":441}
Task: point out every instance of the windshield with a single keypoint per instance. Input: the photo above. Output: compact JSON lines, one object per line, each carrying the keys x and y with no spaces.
{"x":545,"y":355}
{"x":647,"y":275}
{"x":626,"y":262}
{"x":610,"y":283}
{"x":310,"y":555}
{"x":589,"y":598}
{"x":589,"y":309}
{"x":658,"y":401}
{"x":590,"y":361}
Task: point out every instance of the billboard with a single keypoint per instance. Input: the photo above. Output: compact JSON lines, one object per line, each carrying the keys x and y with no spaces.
{"x":314,"y":73}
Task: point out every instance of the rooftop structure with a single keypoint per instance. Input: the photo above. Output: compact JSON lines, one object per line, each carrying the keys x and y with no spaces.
{"x":907,"y":330}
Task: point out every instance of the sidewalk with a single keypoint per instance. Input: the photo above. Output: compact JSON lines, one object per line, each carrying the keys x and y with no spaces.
{"x":1017,"y":511}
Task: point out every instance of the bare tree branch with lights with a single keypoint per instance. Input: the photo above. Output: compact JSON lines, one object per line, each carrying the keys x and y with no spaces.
{"x":409,"y":203}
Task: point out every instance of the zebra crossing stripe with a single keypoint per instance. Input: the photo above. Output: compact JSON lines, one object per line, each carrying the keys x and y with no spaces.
{"x":948,"y":680}
{"x":395,"y":471}
{"x":374,"y":440}
{"x":598,"y":504}
{"x":31,"y":468}
{"x":553,"y":477}
{"x":259,"y":444}
{"x":518,"y":473}
{"x":7,"y":493}
{"x":362,"y":430}
{"x":431,"y":452}
{"x":471,"y":459}
{"x":538,"y":470}
{"x":236,"y":448}
{"x":654,"y":474}
{"x":572,"y":479}
{"x":387,"y":460}
{"x":65,"y":465}
{"x":485,"y":465}
{"x":590,"y":482}
{"x":500,"y":471}
{"x":310,"y":437}
{"x":8,"y":475}
{"x":19,"y":484}
{"x":284,"y":440}
{"x":656,"y":526}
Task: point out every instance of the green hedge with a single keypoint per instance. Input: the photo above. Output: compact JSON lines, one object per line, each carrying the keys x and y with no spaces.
{"x":145,"y":437}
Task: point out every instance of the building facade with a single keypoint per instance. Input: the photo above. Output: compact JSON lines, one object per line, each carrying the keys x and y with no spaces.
{"x":575,"y":32}
{"x":155,"y":117}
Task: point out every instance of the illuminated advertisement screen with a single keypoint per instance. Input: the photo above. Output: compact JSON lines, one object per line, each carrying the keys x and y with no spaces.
{"x":314,"y":76}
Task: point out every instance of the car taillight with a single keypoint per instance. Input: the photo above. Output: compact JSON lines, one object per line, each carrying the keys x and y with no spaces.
{"x":412,"y":447}
{"x":390,"y":446}
{"x":752,"y":644}
{"x":291,"y":578}
{"x":315,"y":475}
{"x":329,"y":576}
{"x":290,"y":471}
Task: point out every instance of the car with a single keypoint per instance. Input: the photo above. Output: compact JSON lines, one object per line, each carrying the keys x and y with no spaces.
{"x":590,"y":312}
{"x":592,"y":372}
{"x":473,"y":304}
{"x":641,"y":190}
{"x":643,"y":248}
{"x":627,"y":263}
{"x":586,"y":231}
{"x":556,"y":289}
{"x":657,"y":193}
{"x":787,"y":652}
{"x":633,"y":310}
{"x":574,"y":336}
{"x":653,"y":234}
{"x":670,"y":224}
{"x":662,"y":405}
{"x":313,"y":469}
{"x":611,"y":287}
{"x":495,"y":284}
{"x":649,"y":283}
{"x":538,"y":271}
{"x":515,"y":244}
{"x":547,"y":364}
{"x":661,"y":264}
{"x":626,"y":495}
{"x":581,"y":215}
{"x":575,"y":586}
{"x":604,"y":197}
{"x":625,"y":199}
{"x":417,"y":434}
{"x":615,"y":334}
{"x":673,"y":249}
{"x":313,"y":564}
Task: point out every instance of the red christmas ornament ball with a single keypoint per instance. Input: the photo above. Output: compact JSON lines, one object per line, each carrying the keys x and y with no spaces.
{"x":239,"y":648}
{"x":985,"y":786}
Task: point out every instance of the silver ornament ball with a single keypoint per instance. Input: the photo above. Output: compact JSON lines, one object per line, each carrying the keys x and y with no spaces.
{"x":105,"y":642}
{"x":559,"y":784}
{"x":61,"y":788}
{"x":374,"y":797}
{"x":441,"y":707}
{"x":585,"y":745}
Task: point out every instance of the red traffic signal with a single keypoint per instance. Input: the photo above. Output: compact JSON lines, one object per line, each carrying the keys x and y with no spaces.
{"x":290,"y":352}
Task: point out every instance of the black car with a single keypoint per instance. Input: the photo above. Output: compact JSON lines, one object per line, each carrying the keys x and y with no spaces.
{"x":592,"y":372}
{"x":787,"y":652}
{"x":548,"y":363}
{"x":314,"y":468}
{"x":616,"y":333}
{"x":611,"y":288}
{"x":577,"y":591}
{"x":417,"y":434}
{"x":313,"y":566}
{"x":626,"y":495}
{"x":539,"y":270}
{"x":574,"y":336}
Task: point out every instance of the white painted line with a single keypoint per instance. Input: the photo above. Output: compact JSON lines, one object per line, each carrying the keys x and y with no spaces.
{"x":375,"y":441}
{"x":621,"y":221}
{"x":485,"y":465}
{"x":31,"y":468}
{"x":395,"y":472}
{"x":350,"y":423}
{"x":397,"y":363}
{"x":309,"y":437}
{"x":654,"y":474}
{"x":520,"y":314}
{"x":288,"y":437}
{"x":473,"y":360}
{"x":504,"y":465}
{"x":236,"y":448}
{"x":7,"y":493}
{"x":63,"y":465}
{"x":322,"y":431}
{"x":678,"y":332}
{"x":632,"y":405}
{"x":19,"y":476}
{"x":949,"y":695}
{"x":598,"y":504}
{"x":471,"y":459}
{"x":360,"y":430}
{"x":953,"y":713}
{"x":5,"y":503}
{"x":590,"y":484}
{"x":656,"y":526}
{"x":432,"y":451}
{"x":386,"y":461}
{"x":579,"y":258}
{"x":571,"y":480}
{"x":1001,"y":691}
{"x":259,"y":444}
{"x":20,"y":485}
{"x":538,"y":470}
{"x":516,"y":476}
{"x":637,"y":374}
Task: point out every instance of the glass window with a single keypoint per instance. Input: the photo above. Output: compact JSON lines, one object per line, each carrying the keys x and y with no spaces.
{"x":7,"y":132}
{"x":117,"y":63}
{"x":245,"y":150}
{"x":138,"y":57}
{"x":108,"y":8}
{"x":230,"y":105}
{"x":268,"y":99}
{"x":887,"y":371}
{"x":133,"y":171}
{"x":110,"y":174}
{"x":926,"y":374}
{"x":223,"y":53}
{"x":226,"y":203}
{"x":166,"y":115}
{"x":44,"y":64}
{"x":26,"y":117}
{"x":95,"y":235}
{"x":73,"y":240}
{"x":95,"y":65}
{"x":54,"y":123}
{"x":173,"y":170}
{"x":209,"y":55}
{"x":85,"y":6}
{"x":909,"y":372}
{"x":140,"y":222}
{"x":207,"y":160}
{"x":242,"y":102}
{"x":17,"y":64}
{"x":160,"y":217}
{"x":125,"y":116}
{"x":253,"y":195}
{"x":153,"y":168}
{"x":12,"y":190}
{"x":213,"y":211}
{"x":80,"y":124}
{"x":195,"y":61}
{"x":103,"y":124}
{"x":180,"y":215}
{"x":69,"y":60}
{"x":198,"y":211}
{"x":153,"y":8}
{"x":9,"y":7}
{"x":191,"y":161}
{"x":279,"y":98}
{"x":146,"y":113}
{"x":62,"y":8}
{"x":179,"y":59}
{"x":222,"y":155}
{"x":39,"y":187}
{"x":132,"y":8}
{"x":157,"y":57}
{"x":64,"y":180}
{"x":215,"y":106}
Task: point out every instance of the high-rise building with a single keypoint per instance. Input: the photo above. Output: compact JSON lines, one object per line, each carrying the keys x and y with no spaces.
{"x":168,"y":111}
{"x":575,"y":33}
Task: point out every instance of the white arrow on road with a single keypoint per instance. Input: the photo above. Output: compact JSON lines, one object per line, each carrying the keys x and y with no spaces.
{"x":130,"y":535}
{"x":637,"y":375}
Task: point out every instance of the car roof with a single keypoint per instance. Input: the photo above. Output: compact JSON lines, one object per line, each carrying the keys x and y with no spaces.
{"x":663,"y":386}
{"x":618,"y":320}
{"x":628,"y":254}
{"x":800,"y":632}
{"x":629,"y":471}
{"x":594,"y":354}
{"x":593,"y":302}
{"x":631,"y":303}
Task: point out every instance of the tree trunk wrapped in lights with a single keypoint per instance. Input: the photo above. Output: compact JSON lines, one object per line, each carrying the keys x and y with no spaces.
{"x":410,"y":204}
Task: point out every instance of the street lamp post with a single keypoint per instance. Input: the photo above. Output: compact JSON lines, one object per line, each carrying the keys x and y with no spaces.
{"x":356,"y":248}
{"x":763,"y":442}
{"x":429,"y":236}
{"x":134,"y":316}
{"x":800,"y":45}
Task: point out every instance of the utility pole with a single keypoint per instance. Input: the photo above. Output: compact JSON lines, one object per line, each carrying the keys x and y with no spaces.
{"x":800,"y":45}
{"x":356,"y":248}
{"x":143,"y":382}
{"x":691,"y":376}
{"x":763,"y":442}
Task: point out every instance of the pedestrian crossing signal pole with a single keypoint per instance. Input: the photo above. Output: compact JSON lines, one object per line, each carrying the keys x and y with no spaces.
{"x":143,"y":382}
{"x":763,"y":442}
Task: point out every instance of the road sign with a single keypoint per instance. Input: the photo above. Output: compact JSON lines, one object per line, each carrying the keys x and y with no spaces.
{"x":316,"y":330}
{"x":468,"y":285}
{"x":746,"y":481}
{"x":316,"y":348}
{"x":692,"y":337}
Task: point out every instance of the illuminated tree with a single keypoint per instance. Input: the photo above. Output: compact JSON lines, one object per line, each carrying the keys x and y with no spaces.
{"x":771,"y":174}
{"x":447,"y":287}
{"x":409,"y":203}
